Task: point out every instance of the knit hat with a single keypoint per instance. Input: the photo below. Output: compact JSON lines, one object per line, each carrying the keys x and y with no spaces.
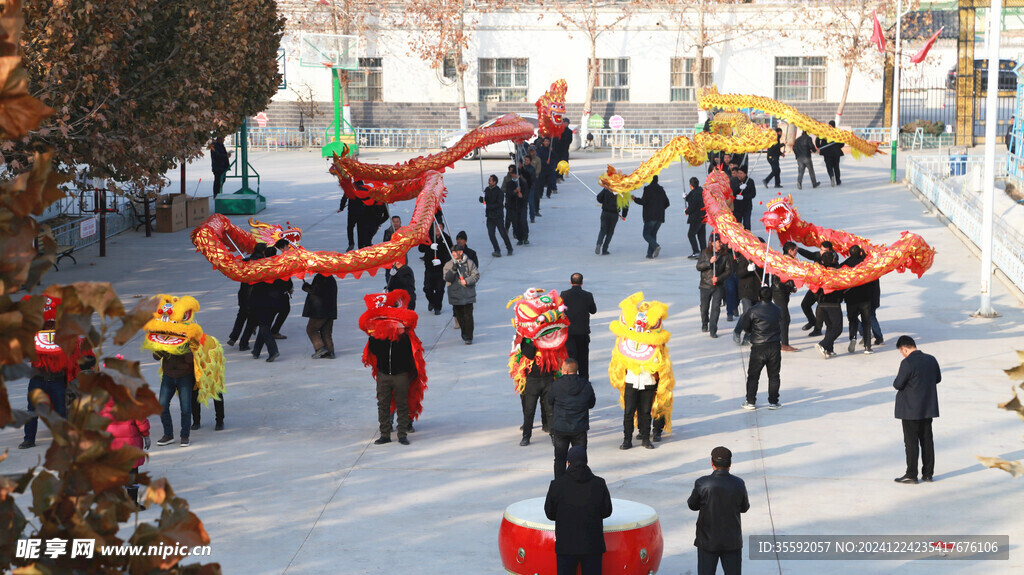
{"x":577,"y":455}
{"x":721,"y":457}
{"x":462,"y":235}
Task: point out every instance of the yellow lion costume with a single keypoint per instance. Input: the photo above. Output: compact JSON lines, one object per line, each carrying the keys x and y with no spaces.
{"x":173,"y":330}
{"x":641,"y":346}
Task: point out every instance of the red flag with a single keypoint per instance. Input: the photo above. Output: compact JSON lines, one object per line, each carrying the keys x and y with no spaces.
{"x":876,"y":35}
{"x":920,"y":56}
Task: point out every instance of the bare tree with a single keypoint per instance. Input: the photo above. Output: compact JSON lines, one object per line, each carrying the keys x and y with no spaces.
{"x":592,"y":19}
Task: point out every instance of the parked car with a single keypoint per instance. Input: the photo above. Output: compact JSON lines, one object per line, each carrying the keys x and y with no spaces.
{"x":1007,"y":78}
{"x":503,"y":149}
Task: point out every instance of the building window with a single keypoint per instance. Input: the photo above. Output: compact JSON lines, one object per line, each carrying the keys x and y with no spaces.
{"x":612,"y":80}
{"x":504,"y":79}
{"x":800,"y":78}
{"x":364,"y":84}
{"x":683,"y":84}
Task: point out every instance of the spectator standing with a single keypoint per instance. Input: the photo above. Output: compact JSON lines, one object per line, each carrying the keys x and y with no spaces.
{"x":697,"y":232}
{"x":515,"y":196}
{"x":403,"y":279}
{"x":744,"y":191}
{"x":720,"y":498}
{"x":571,"y":399}
{"x":321,"y":308}
{"x":461,"y":240}
{"x":803,"y":147}
{"x":578,"y":502}
{"x":493,"y":201}
{"x":579,"y":304}
{"x":610,"y":213}
{"x":655,"y":202}
{"x":220,"y":158}
{"x":461,"y":275}
{"x":764,"y":324}
{"x":355,"y":211}
{"x":538,"y":185}
{"x":394,"y":366}
{"x":917,"y":403}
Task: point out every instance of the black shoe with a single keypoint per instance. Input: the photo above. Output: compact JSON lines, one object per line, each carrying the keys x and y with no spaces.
{"x":437,"y":311}
{"x":382,"y":440}
{"x":927,"y":478}
{"x":606,"y":253}
{"x":906,"y":479}
{"x":509,"y":252}
{"x":165,"y":440}
{"x":185,"y":441}
{"x":403,"y":440}
{"x":27,"y":444}
{"x":650,"y":257}
{"x":545,"y":429}
{"x":231,"y":342}
{"x":319,"y":353}
{"x":524,"y":442}
{"x":807,"y":326}
{"x":411,"y":428}
{"x":495,"y":254}
{"x":764,"y":182}
{"x":814,"y":333}
{"x":704,"y":329}
{"x":714,"y":336}
{"x":526,"y":242}
{"x":219,"y":426}
{"x":879,"y":341}
{"x":647,"y":444}
{"x":799,"y":186}
{"x":778,"y":186}
{"x":195,"y":425}
{"x":853,"y":346}
{"x":244,"y":347}
{"x":815,"y":184}
{"x":273,"y":357}
{"x":350,"y":248}
{"x":656,"y":436}
{"x":278,"y":336}
{"x":730,"y":317}
{"x":519,"y":243}
{"x":626,"y":444}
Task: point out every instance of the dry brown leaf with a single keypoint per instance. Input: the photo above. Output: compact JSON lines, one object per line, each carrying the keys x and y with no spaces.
{"x":1014,"y":468}
{"x":133,"y":321}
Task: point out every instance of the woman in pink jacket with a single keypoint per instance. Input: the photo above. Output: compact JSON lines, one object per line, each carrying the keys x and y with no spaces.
{"x":132,"y":432}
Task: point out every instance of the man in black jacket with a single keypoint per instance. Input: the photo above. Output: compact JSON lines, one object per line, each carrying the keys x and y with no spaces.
{"x":748,"y":277}
{"x":803,"y":147}
{"x":266,"y":300}
{"x":714,"y":265}
{"x":571,"y":398}
{"x":579,"y":304}
{"x":831,"y":152}
{"x":697,"y":233}
{"x":370,"y":220}
{"x":720,"y":498}
{"x":220,"y":157}
{"x":764,"y":324}
{"x":814,"y":320}
{"x":435,"y":255}
{"x":394,"y":365}
{"x":355,"y":212}
{"x":830,"y":308}
{"x":493,"y":199}
{"x":744,"y":191}
{"x":655,"y":202}
{"x":516,"y":197}
{"x":781,"y":290}
{"x":538,"y":386}
{"x":321,"y":307}
{"x":396,"y":222}
{"x":578,"y":502}
{"x":858,"y":304}
{"x":917,"y":403}
{"x":774,"y":153}
{"x":610,"y":214}
{"x":403,"y":279}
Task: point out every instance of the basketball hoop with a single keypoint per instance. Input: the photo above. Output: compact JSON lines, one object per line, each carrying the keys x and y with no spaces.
{"x":327,"y":65}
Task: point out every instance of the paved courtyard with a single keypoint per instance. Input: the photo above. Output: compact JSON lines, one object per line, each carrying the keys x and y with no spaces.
{"x":294,"y":483}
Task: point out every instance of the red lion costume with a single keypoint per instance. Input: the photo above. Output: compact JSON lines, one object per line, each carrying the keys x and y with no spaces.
{"x":49,"y":356}
{"x":541,"y":318}
{"x":388,"y":317}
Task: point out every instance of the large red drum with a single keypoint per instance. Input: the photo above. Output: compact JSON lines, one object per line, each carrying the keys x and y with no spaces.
{"x":632,"y":536}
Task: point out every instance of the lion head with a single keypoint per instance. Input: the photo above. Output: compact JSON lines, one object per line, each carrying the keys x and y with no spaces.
{"x":173,"y":327}
{"x":551,"y":111}
{"x":387,"y":315}
{"x":541,"y":317}
{"x":639,"y":328}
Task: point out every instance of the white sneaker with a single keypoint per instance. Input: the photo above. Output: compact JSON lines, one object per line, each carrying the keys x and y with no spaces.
{"x":748,"y":405}
{"x":821,"y":350}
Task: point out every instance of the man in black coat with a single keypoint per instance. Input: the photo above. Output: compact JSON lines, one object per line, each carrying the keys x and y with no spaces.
{"x":655,"y":202}
{"x":396,"y":222}
{"x":395,"y":365}
{"x":571,"y":398}
{"x":830,"y":308}
{"x":743,"y":191}
{"x":803,"y":147}
{"x":321,"y":307}
{"x":764,"y":324}
{"x":748,"y":278}
{"x":265,"y":301}
{"x":697,"y":233}
{"x":610,"y":214}
{"x":404,"y":279}
{"x":720,"y":498}
{"x":493,"y":201}
{"x":831,"y":152}
{"x":435,"y":255}
{"x":917,"y":403}
{"x":774,"y":153}
{"x":370,"y":220}
{"x":579,"y":306}
{"x":781,"y":291}
{"x":537,"y":388}
{"x":355,"y":211}
{"x":516,"y":205}
{"x":578,"y":502}
{"x":858,"y":304}
{"x":714,"y":265}
{"x":814,"y":320}
{"x":220,"y":157}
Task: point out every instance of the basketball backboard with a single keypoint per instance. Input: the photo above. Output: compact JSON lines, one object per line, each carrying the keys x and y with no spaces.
{"x":338,"y":51}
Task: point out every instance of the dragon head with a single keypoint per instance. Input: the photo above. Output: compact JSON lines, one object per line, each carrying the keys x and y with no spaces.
{"x":271,"y":233}
{"x":173,"y":327}
{"x":639,"y":328}
{"x":541,"y":317}
{"x":551,"y":111}
{"x":387,"y":315}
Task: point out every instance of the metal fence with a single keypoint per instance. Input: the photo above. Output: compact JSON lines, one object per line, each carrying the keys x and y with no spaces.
{"x":945,"y":181}
{"x":69,"y":233}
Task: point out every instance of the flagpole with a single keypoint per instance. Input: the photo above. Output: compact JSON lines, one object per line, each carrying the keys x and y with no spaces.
{"x":894,"y":129}
{"x":991,"y":119}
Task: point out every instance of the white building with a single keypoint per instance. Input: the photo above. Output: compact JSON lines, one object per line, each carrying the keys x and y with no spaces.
{"x":774,"y":50}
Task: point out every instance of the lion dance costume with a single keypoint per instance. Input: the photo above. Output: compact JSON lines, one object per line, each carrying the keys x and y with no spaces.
{"x":641,"y":368}
{"x":538,"y":351}
{"x":388,"y":317}
{"x":174,"y":331}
